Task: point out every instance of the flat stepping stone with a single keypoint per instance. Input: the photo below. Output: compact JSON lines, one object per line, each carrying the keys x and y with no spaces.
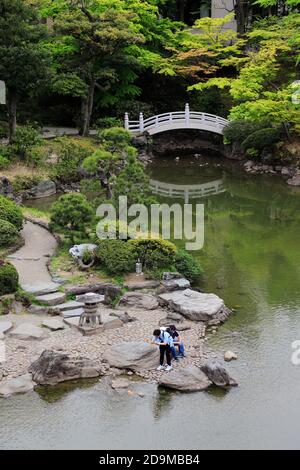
{"x":5,"y":326}
{"x":72,"y":305}
{"x":72,"y":321}
{"x":27,"y":332}
{"x":55,"y":298}
{"x":81,"y":297}
{"x":76,"y":312}
{"x":53,"y":324}
{"x":41,"y":288}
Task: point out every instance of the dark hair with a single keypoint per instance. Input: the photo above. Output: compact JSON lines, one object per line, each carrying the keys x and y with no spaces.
{"x":156,"y":332}
{"x":172,"y":327}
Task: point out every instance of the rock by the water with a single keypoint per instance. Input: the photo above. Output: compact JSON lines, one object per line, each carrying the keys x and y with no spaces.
{"x":187,"y":379}
{"x":194,"y":305}
{"x":229,"y":356}
{"x":22,"y":384}
{"x":217,"y":374}
{"x":27,"y":332}
{"x":120,"y":383}
{"x":52,"y":368}
{"x":53,"y":324}
{"x":295,"y":180}
{"x":139,"y":300}
{"x":173,"y":284}
{"x":135,"y":356}
{"x":43,"y":189}
{"x":5,"y":326}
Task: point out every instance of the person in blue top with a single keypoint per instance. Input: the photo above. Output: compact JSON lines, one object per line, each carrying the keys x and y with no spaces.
{"x":165,"y":342}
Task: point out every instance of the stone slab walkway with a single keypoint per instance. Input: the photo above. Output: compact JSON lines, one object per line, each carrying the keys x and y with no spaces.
{"x":31,"y":260}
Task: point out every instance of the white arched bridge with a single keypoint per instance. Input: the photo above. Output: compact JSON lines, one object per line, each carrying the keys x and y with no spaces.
{"x":187,"y":191}
{"x":176,"y":120}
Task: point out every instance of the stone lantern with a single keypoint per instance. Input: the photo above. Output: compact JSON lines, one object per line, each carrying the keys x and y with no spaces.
{"x":91,"y":316}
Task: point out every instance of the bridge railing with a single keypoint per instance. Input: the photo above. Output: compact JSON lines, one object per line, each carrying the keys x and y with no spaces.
{"x":185,"y":117}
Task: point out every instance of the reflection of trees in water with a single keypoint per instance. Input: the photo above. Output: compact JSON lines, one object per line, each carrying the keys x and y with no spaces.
{"x":162,"y":402}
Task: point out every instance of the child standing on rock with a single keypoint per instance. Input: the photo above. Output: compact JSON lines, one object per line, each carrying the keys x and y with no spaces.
{"x":165,"y":342}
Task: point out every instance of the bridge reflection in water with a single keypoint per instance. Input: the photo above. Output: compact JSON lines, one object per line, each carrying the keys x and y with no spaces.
{"x":187,"y":191}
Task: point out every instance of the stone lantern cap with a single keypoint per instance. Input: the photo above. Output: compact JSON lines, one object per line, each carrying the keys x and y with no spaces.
{"x":91,"y":298}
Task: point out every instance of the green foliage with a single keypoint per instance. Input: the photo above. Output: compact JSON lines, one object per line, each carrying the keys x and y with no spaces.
{"x":117,"y":256}
{"x":261,"y":139}
{"x":25,"y":138}
{"x":133,"y":182}
{"x":107,"y":122}
{"x":154,"y":253}
{"x":9,"y":278}
{"x":10,"y":212}
{"x":237,"y":131}
{"x":72,"y":216}
{"x":115,"y":139}
{"x":70,"y":152}
{"x":8,"y":233}
{"x":24,"y":182}
{"x":4,"y":163}
{"x":187,"y":265}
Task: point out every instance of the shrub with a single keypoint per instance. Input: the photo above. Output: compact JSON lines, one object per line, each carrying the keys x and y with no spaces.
{"x":238,"y":131}
{"x":70,"y":153}
{"x":261,"y":139}
{"x":187,"y":265}
{"x":8,"y":278}
{"x":10,"y":212}
{"x":115,"y":138}
{"x":24,"y":139}
{"x":8,"y":233}
{"x":72,"y":215}
{"x":24,"y":182}
{"x":107,"y":122}
{"x":4,"y":162}
{"x":117,"y":256}
{"x":154,"y":254}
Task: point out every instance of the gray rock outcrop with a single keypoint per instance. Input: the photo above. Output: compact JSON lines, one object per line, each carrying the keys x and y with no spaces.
{"x":218,"y":374}
{"x":195,"y":305}
{"x":22,"y":384}
{"x":136,"y":356}
{"x":139,"y":300}
{"x":52,"y":368}
{"x":187,"y":379}
{"x":27,"y":332}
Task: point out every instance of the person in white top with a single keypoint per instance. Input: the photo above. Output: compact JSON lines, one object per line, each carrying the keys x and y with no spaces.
{"x":165,"y":342}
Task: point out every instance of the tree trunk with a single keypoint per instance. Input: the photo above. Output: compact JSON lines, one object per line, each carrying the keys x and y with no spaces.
{"x":12,"y":114}
{"x":87,"y":104}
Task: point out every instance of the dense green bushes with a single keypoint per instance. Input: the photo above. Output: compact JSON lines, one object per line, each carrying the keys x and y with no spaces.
{"x":154,"y":254}
{"x":8,"y":233}
{"x":258,"y":140}
{"x":70,"y":154}
{"x":8,"y":278}
{"x":187,"y":265}
{"x":25,"y":138}
{"x":10,"y":212}
{"x":72,"y":216}
{"x":238,"y":131}
{"x":117,"y":256}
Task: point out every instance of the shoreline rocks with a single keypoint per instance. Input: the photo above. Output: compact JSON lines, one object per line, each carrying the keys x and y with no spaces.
{"x":218,"y":374}
{"x":188,"y":379}
{"x":135,"y":356}
{"x":53,"y":367}
{"x":196,"y":306}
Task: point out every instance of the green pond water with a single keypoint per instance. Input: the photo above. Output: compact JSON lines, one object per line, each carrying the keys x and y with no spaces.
{"x":251,"y":259}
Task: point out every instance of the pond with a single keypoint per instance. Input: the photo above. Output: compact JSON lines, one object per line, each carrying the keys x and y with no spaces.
{"x":251,"y":258}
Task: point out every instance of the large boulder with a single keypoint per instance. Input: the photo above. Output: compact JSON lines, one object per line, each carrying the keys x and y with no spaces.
{"x":135,"y":356}
{"x":295,"y":180}
{"x":52,"y":368}
{"x":28,"y":332}
{"x":217,"y":374}
{"x":194,"y":305}
{"x":22,"y":384}
{"x":139,"y":300}
{"x":187,"y":379}
{"x":44,"y":188}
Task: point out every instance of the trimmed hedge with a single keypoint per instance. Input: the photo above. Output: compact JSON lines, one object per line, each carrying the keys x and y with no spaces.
{"x":9,"y":278}
{"x":11,"y":212}
{"x":187,"y":265}
{"x":154,"y":254}
{"x":8,"y":233}
{"x":117,"y":256}
{"x":261,"y":139}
